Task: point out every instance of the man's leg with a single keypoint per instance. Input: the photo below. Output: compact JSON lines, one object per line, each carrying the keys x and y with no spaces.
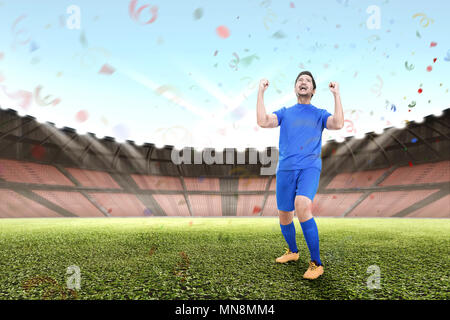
{"x":285,"y":194}
{"x":307,"y":186}
{"x":303,"y":206}
{"x":288,"y":229}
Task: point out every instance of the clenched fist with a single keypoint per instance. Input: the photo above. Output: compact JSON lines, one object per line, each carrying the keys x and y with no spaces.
{"x":334,"y":87}
{"x":263,"y":84}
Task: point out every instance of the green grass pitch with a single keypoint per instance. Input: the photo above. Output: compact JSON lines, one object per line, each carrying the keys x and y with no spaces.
{"x":221,"y":258}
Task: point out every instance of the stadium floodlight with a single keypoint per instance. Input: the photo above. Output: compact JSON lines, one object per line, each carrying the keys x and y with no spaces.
{"x":438,"y":113}
{"x":159,"y":145}
{"x":379,"y":130}
{"x":80,"y":132}
{"x":360,"y":135}
{"x":419,"y":119}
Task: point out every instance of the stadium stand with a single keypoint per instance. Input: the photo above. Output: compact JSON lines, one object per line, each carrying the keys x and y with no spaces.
{"x":385,"y":175}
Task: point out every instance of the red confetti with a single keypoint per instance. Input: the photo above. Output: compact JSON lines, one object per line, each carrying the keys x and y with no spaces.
{"x":429,"y":68}
{"x":82,"y":116}
{"x":107,"y":69}
{"x":420,"y":91}
{"x":433,"y":44}
{"x":38,"y":152}
{"x":410,"y":163}
{"x":434,"y":60}
{"x":334,"y":197}
{"x":256,"y":210}
{"x":372,"y":196}
{"x":109,"y":210}
{"x":134,"y":14}
{"x":223,"y":32}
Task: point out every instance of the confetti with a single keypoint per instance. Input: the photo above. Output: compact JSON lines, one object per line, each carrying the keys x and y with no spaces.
{"x":152,"y":250}
{"x":292,"y":5}
{"x":420,"y":90}
{"x":279,"y":35}
{"x":433,"y":44}
{"x":81,"y":116}
{"x":376,"y":89}
{"x":109,"y":210}
{"x":429,"y":68}
{"x":33,"y":46}
{"x":134,"y":14}
{"x":198,"y":13}
{"x":83,"y":40}
{"x":418,"y":34}
{"x":23,"y":96}
{"x":223,"y":32}
{"x":410,"y":163}
{"x":393,"y":108}
{"x":44,"y":102}
{"x":414,"y":140}
{"x":106,"y":69}
{"x":447,"y":58}
{"x":425,"y":21}
{"x":268,"y":18}
{"x":18,"y":32}
{"x":409,"y":67}
{"x":248,"y":60}
{"x":256,"y":209}
{"x":38,"y":152}
{"x":412,"y":104}
{"x":234,"y":63}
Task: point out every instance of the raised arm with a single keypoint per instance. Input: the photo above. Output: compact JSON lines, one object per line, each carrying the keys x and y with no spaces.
{"x":263,"y":119}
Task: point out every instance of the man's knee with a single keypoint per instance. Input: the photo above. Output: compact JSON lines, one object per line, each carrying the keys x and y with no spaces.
{"x":302,"y":203}
{"x":286,"y":217}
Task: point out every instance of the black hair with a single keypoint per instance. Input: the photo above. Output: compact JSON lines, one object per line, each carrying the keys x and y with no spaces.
{"x":308,"y":74}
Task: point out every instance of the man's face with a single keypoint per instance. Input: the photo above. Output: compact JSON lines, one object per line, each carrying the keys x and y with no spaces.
{"x":304,"y":86}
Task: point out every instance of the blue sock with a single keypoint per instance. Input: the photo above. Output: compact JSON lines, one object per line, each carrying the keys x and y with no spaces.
{"x":288,"y":232}
{"x":311,"y":235}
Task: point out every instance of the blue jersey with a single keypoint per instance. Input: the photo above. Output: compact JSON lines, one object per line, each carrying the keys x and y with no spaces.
{"x":300,"y":143}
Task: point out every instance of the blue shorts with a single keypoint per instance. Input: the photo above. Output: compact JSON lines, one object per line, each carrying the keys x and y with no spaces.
{"x":292,"y":183}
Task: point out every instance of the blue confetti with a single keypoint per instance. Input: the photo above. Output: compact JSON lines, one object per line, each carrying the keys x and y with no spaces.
{"x":414,"y":140}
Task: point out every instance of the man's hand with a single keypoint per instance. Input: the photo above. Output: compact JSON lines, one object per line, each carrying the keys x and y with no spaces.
{"x":334,"y":88}
{"x":263,"y":84}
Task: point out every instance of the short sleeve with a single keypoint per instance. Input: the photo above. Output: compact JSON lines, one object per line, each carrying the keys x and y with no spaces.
{"x":280,"y":114}
{"x":324,"y":114}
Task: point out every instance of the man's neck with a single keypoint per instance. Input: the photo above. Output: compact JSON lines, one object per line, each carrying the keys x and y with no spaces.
{"x":304,"y":100}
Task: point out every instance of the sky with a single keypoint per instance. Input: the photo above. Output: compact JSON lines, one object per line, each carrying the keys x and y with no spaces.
{"x":186,"y":73}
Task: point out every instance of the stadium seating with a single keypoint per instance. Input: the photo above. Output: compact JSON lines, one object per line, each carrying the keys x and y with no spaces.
{"x":90,"y":193}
